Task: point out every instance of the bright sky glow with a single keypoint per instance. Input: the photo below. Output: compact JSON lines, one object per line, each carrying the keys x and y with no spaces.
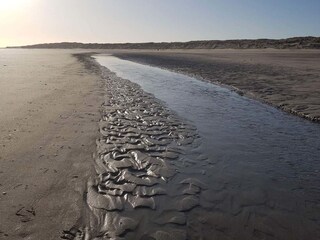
{"x":10,"y":5}
{"x":37,"y":21}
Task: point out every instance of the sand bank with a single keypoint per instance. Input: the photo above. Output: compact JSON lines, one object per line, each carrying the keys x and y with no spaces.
{"x":287,"y":79}
{"x":49,"y":111}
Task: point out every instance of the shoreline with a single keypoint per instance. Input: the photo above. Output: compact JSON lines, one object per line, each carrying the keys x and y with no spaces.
{"x":241,"y":86}
{"x":242,"y":93}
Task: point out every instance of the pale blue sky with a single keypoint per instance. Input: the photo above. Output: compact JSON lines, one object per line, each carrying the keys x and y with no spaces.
{"x":37,"y":21}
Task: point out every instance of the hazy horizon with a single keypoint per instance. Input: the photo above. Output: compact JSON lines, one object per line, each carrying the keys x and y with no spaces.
{"x":157,"y":41}
{"x":27,"y":22}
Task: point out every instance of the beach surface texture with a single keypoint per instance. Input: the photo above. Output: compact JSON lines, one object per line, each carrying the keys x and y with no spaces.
{"x":88,"y":154}
{"x":49,"y":106}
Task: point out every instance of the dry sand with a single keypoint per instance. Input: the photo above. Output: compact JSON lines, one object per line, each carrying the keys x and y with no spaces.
{"x":49,"y":107}
{"x":288,"y":79}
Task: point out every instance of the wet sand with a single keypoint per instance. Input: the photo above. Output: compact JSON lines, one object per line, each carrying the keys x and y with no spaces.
{"x":287,"y":79}
{"x":49,"y":107}
{"x":138,"y":191}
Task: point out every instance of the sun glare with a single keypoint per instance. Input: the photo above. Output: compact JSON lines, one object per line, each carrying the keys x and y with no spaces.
{"x":7,"y":5}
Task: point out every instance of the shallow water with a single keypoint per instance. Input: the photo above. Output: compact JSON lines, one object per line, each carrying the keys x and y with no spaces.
{"x":262,"y":165}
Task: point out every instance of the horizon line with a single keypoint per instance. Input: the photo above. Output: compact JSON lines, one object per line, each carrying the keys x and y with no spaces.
{"x":188,"y":41}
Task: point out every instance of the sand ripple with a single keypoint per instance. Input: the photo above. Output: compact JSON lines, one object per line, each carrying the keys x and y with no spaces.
{"x":140,"y":144}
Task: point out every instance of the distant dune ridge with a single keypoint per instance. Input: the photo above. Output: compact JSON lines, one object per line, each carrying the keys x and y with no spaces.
{"x":288,"y":43}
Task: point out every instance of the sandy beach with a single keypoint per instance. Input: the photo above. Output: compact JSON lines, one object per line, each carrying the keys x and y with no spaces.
{"x":86,"y":154}
{"x":159,"y":120}
{"x":286,"y":79}
{"x":49,"y":108}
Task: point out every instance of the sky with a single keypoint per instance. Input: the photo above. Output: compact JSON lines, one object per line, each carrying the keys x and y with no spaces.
{"x":25,"y":22}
